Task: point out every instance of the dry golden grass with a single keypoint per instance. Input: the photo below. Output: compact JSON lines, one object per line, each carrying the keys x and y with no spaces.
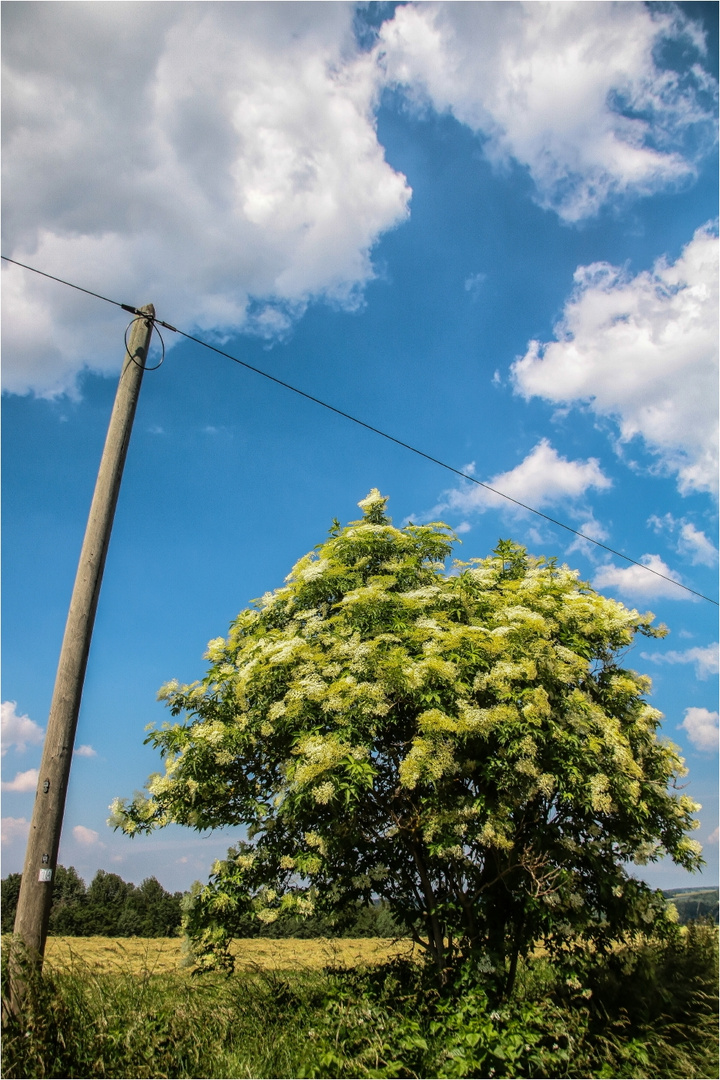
{"x":161,"y":955}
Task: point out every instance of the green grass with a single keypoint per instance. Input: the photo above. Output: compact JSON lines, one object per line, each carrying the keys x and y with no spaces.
{"x":649,"y":1011}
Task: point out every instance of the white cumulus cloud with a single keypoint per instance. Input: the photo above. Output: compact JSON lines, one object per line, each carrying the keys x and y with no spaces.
{"x":218,"y":159}
{"x":592,"y":528}
{"x":643,"y":351}
{"x":24,"y":781}
{"x":571,"y":91}
{"x":221,"y":160}
{"x":702,"y":728}
{"x":694,"y":543}
{"x":17,"y":731}
{"x":704,"y":657}
{"x":14,"y":828}
{"x":636,"y":582}
{"x":86,"y":837}
{"x":690,"y":540}
{"x":85,"y":751}
{"x":544,"y":478}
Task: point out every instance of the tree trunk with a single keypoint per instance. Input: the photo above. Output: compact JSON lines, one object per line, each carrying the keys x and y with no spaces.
{"x":435,"y":933}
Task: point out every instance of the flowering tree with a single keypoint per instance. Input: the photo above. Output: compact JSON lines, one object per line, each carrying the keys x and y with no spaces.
{"x":464,"y":745}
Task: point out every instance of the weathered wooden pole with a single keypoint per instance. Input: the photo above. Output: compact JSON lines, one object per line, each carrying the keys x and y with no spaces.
{"x":33,"y":910}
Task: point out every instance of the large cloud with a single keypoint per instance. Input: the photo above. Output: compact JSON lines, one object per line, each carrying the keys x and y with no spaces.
{"x":23,"y":781}
{"x":18,"y":731}
{"x":635,"y":582}
{"x":704,"y":657}
{"x":642,"y":350}
{"x":13,"y":829}
{"x":572,"y":91}
{"x":690,"y":541}
{"x":702,"y":728}
{"x":220,"y":160}
{"x":542,"y":479}
{"x":87,"y":837}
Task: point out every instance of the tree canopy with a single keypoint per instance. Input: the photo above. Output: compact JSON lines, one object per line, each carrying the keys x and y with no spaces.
{"x":462,"y":743}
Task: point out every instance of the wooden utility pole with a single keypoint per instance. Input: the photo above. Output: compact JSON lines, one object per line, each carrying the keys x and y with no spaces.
{"x":33,"y":910}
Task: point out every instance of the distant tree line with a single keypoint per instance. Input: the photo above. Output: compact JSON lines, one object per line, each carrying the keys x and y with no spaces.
{"x":111,"y":907}
{"x":108,"y":907}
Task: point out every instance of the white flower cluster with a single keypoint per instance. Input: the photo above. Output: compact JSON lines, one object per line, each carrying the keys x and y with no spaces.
{"x":323,"y":793}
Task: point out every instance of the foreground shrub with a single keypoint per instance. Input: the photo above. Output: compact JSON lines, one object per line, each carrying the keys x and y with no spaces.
{"x":80,"y":1024}
{"x":650,"y":1011}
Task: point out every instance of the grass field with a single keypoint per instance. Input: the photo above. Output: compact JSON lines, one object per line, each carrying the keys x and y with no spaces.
{"x":357,"y":1008}
{"x":157,"y":956}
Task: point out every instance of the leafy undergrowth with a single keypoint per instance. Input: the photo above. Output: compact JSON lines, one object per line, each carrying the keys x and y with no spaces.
{"x":646,"y":1011}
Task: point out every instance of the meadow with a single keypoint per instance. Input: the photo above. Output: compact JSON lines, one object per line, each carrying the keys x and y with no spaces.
{"x":160,"y":956}
{"x":109,"y":1007}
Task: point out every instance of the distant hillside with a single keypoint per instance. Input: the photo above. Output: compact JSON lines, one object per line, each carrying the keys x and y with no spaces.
{"x":694,"y":903}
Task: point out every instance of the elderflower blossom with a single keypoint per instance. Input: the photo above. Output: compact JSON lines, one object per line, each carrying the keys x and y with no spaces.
{"x":493,"y":835}
{"x":266,"y":915}
{"x":215,"y":649}
{"x":323,"y":793}
{"x":645,"y":852}
{"x":315,"y":570}
{"x":600,"y":799}
{"x":546,"y":784}
{"x":373,"y":501}
{"x":528,"y":747}
{"x":690,"y":847}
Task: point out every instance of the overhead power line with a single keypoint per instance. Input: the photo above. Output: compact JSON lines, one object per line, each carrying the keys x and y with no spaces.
{"x":375,"y":430}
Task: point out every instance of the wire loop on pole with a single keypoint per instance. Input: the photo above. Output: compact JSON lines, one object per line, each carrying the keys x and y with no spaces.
{"x":149,"y":318}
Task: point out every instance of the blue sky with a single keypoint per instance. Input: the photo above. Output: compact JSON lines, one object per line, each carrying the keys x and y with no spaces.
{"x":487,"y":229}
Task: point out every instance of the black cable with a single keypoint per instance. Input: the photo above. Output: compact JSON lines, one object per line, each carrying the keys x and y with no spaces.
{"x":376,"y":431}
{"x":139,"y":318}
{"x":126,"y":307}
{"x":442,"y":464}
